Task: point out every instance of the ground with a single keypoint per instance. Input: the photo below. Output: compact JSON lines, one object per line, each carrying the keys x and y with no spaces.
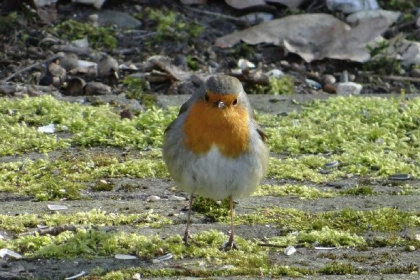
{"x":353,"y":221}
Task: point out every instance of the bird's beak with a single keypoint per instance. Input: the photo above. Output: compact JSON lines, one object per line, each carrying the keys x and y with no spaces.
{"x":220,"y":104}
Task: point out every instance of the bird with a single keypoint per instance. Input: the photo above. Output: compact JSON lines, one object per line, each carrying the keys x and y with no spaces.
{"x":215,"y":147}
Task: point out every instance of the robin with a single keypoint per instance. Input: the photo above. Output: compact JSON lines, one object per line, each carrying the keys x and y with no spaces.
{"x":215,"y":148}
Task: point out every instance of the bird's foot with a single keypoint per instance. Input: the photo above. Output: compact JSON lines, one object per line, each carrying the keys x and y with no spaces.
{"x":186,"y":237}
{"x":229,"y":245}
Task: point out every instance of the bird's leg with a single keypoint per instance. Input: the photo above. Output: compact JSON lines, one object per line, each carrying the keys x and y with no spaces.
{"x":230,"y":245}
{"x":187,"y":229}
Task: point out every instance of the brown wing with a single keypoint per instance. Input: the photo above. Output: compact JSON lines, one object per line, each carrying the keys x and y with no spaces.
{"x":261,"y":132}
{"x":263,"y":135}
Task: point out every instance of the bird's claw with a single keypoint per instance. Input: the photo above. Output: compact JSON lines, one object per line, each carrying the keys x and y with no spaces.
{"x":186,"y":237}
{"x":229,"y":245}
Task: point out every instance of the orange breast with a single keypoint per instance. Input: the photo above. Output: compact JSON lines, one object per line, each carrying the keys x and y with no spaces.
{"x":227,"y":128}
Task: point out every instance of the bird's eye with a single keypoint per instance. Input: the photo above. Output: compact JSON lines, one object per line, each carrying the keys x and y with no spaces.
{"x":206,"y":97}
{"x":235,"y":102}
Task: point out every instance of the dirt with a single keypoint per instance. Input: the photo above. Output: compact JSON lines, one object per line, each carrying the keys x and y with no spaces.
{"x":137,"y":201}
{"x":119,"y":201}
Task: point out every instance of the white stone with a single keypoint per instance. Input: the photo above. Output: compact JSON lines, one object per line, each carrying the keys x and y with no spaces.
{"x":290,"y":250}
{"x":349,"y":88}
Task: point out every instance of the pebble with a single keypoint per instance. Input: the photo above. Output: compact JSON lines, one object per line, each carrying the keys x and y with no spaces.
{"x":275,"y":73}
{"x":96,"y":88}
{"x":50,"y":128}
{"x":329,"y":79}
{"x":136,"y":276}
{"x":245,"y":64}
{"x":75,"y":87}
{"x":400,"y":177}
{"x":54,"y":207}
{"x":415,"y":72}
{"x":176,"y":198}
{"x":349,"y":88}
{"x":338,"y":185}
{"x":411,"y":248}
{"x":352,"y":6}
{"x":313,"y":84}
{"x":153,"y":198}
{"x":254,"y":18}
{"x":125,"y":257}
{"x":331,"y":164}
{"x":4,"y":253}
{"x":290,"y":250}
{"x":329,"y":88}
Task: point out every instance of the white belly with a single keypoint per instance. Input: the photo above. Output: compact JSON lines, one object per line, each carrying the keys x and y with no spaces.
{"x":214,"y":176}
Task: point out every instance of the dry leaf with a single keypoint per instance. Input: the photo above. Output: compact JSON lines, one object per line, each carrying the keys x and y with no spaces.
{"x":313,"y":36}
{"x":243,"y":4}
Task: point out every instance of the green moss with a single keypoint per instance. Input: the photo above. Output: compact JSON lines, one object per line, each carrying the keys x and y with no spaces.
{"x":9,"y":23}
{"x":398,"y":5}
{"x":362,"y":190}
{"x":301,"y":168}
{"x":380,"y":139}
{"x":171,"y":26}
{"x":88,"y":126}
{"x":214,"y":210}
{"x":303,"y":192}
{"x":339,"y":268}
{"x":324,"y":237}
{"x":353,"y":221}
{"x":140,"y":89}
{"x":39,"y":178}
{"x":95,"y":217}
{"x":98,"y":37}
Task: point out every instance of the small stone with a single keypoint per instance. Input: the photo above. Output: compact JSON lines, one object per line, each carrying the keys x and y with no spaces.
{"x":337,"y":185}
{"x":351,"y":6}
{"x":176,"y":198}
{"x":328,"y":79}
{"x":159,"y":252}
{"x":254,"y":18}
{"x":275,"y":73}
{"x":329,"y":88}
{"x":96,"y":88}
{"x":245,"y":64}
{"x":47,"y":128}
{"x":331,"y":164}
{"x":136,"y":276}
{"x":313,"y":84}
{"x":411,"y":248}
{"x":54,"y":207}
{"x":125,"y":257}
{"x":349,"y":88}
{"x":400,"y":177}
{"x":153,"y":198}
{"x":415,"y":72}
{"x":290,"y":250}
{"x":4,"y":253}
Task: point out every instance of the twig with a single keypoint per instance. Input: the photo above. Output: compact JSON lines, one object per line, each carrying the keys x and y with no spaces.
{"x":29,"y":68}
{"x":402,"y":78}
{"x":395,"y":78}
{"x":213,"y":14}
